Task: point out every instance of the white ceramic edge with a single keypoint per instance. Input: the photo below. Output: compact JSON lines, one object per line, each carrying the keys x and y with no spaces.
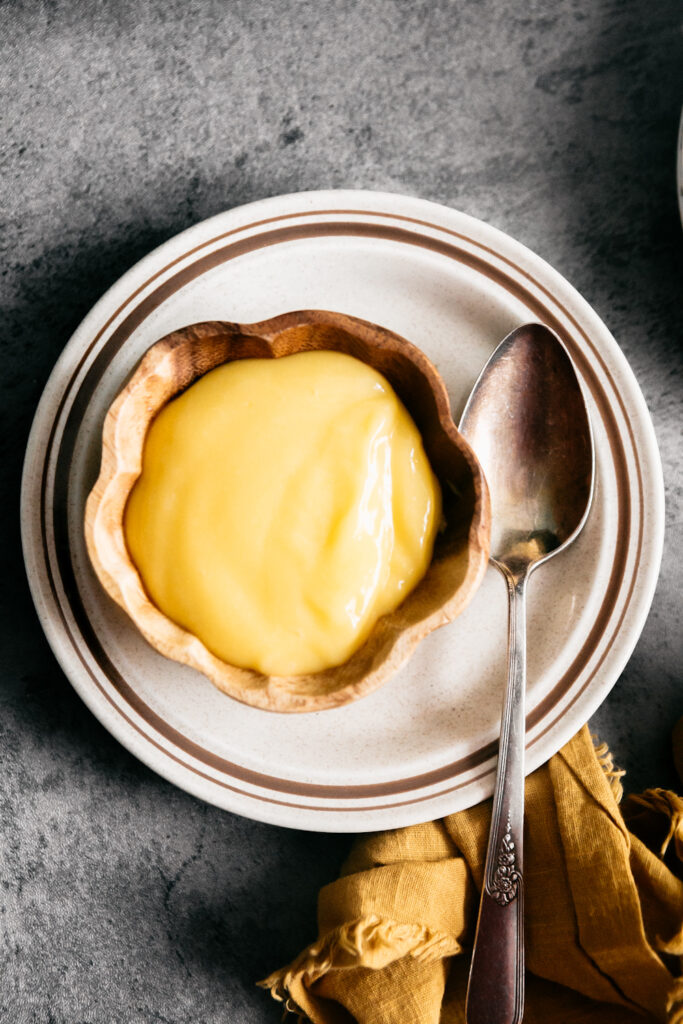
{"x":679,"y":167}
{"x":373,"y":818}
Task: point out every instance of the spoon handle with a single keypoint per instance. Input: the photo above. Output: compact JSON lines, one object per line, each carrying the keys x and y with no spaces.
{"x":495,"y":994}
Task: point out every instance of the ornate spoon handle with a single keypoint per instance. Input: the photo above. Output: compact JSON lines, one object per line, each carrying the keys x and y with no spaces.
{"x":495,"y":994}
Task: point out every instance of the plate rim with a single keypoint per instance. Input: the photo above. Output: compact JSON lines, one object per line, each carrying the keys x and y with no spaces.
{"x":347,"y":202}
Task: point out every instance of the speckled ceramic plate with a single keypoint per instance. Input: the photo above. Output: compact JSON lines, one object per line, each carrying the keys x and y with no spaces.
{"x":423,"y":745}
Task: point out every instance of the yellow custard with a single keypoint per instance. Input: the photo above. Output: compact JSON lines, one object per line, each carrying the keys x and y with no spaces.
{"x":284,"y":505}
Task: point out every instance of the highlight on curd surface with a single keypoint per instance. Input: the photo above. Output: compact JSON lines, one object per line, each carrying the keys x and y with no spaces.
{"x":283,"y":507}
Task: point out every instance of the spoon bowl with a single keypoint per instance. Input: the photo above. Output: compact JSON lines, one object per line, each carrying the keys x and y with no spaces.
{"x":527,"y":422}
{"x":526,"y":419}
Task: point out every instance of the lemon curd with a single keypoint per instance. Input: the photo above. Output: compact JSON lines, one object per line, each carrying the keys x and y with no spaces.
{"x":284,"y":505}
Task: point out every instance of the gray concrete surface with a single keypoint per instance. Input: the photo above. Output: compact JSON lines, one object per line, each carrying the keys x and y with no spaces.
{"x":123,"y":899}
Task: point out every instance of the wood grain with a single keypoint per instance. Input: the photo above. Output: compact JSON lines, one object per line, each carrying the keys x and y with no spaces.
{"x":461,"y":550}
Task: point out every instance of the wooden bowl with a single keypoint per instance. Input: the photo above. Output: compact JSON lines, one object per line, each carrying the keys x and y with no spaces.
{"x":461,"y":549}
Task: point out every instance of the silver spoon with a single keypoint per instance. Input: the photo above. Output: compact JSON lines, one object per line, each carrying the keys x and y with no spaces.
{"x":528,"y":425}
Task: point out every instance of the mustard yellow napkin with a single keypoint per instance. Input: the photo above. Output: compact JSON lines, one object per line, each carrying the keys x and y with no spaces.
{"x":603,"y":911}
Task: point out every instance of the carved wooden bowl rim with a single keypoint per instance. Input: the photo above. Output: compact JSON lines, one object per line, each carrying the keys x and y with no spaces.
{"x":176,"y":361}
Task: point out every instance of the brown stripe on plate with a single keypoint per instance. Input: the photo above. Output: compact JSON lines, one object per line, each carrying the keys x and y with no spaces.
{"x":123,"y":332}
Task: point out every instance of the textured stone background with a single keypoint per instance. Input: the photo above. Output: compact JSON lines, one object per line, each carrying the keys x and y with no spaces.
{"x":123,"y":899}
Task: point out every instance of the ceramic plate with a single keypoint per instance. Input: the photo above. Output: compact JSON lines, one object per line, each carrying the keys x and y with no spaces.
{"x":424,"y":744}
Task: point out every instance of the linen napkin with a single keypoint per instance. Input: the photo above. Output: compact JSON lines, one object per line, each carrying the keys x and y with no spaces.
{"x":603,"y":910}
